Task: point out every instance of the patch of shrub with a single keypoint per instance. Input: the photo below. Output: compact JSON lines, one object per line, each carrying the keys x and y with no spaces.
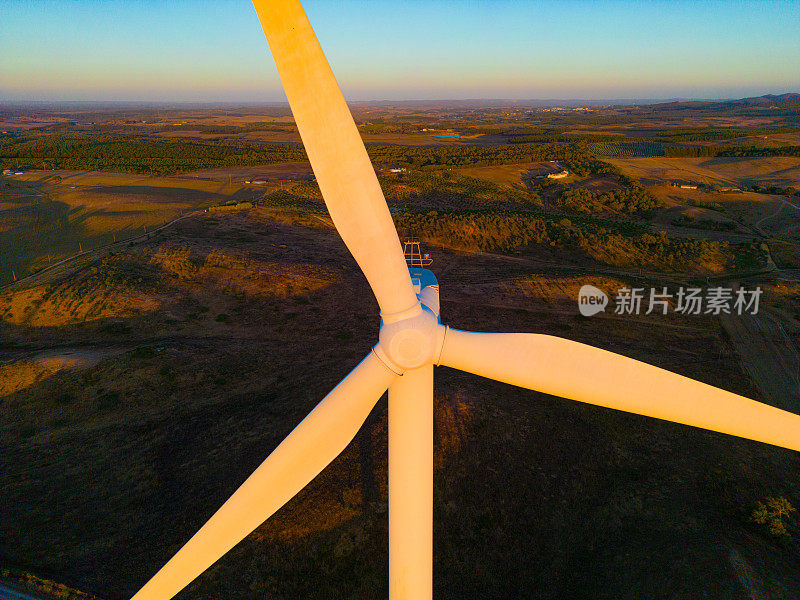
{"x":507,"y":231}
{"x":774,"y":515}
{"x":175,"y":261}
{"x":632,"y":200}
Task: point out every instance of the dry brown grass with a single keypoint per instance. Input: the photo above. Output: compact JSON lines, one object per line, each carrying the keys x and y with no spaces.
{"x":271,"y":172}
{"x":778,"y":170}
{"x":537,"y":291}
{"x":123,"y":286}
{"x":91,"y":296}
{"x":554,"y":290}
{"x":525,"y":484}
{"x":44,"y":221}
{"x":335,"y":499}
{"x":38,"y":307}
{"x":237,"y":273}
{"x":20,"y":375}
{"x":785,"y":254}
{"x":511,"y":175}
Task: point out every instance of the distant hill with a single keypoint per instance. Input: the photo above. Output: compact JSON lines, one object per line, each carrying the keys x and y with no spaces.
{"x":790,"y":100}
{"x":779,"y":100}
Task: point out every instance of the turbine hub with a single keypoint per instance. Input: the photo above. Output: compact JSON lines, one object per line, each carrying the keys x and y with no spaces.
{"x":412,"y":342}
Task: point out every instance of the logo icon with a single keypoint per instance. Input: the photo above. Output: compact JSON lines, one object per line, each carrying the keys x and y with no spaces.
{"x":591,"y":300}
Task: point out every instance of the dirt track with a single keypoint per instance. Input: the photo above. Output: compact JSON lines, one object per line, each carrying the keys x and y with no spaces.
{"x":768,"y":356}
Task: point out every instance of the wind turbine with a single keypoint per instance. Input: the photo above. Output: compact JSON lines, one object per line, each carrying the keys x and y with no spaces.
{"x":411,"y":341}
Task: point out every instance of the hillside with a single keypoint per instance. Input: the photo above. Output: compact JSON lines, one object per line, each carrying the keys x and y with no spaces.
{"x":118,"y":456}
{"x":182,"y":301}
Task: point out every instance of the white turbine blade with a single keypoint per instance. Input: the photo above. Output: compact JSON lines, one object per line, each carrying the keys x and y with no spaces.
{"x":308,"y":449}
{"x":572,"y":370}
{"x":411,"y":485}
{"x":337,"y":154}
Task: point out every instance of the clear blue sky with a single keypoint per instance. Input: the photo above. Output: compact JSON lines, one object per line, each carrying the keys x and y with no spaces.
{"x":203,"y":50}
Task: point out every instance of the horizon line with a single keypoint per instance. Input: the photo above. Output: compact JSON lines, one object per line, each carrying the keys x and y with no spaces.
{"x":484,"y":100}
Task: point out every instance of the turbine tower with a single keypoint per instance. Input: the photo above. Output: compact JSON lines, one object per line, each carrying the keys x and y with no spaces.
{"x":411,"y":340}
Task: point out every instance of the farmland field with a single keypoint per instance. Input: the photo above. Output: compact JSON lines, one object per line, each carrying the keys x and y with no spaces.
{"x":224,"y":308}
{"x":511,"y":175}
{"x":784,"y":171}
{"x":48,"y":216}
{"x":142,"y":381}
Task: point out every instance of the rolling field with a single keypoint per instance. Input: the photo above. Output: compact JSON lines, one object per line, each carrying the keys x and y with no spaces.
{"x":782,"y":171}
{"x":48,"y":216}
{"x":143,"y":380}
{"x":510,"y":175}
{"x":153,"y":410}
{"x":756,"y":213}
{"x":288,"y":170}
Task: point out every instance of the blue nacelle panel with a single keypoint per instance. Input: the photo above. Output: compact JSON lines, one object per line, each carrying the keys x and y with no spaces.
{"x":422,"y":278}
{"x":426,"y":287}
